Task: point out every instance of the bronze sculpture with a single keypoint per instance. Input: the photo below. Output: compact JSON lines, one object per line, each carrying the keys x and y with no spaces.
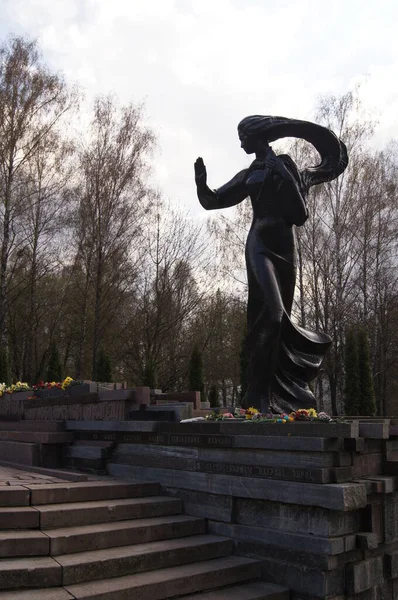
{"x":283,"y":357}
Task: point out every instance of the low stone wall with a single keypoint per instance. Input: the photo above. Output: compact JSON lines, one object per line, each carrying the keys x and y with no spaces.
{"x":160,"y":398}
{"x":12,"y":406}
{"x":114,"y":405}
{"x":318,"y":503}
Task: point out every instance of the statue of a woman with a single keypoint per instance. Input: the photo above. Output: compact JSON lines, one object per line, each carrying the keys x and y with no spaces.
{"x":283,"y":357}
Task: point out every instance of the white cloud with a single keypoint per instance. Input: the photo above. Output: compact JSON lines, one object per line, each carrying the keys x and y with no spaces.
{"x":202,"y":65}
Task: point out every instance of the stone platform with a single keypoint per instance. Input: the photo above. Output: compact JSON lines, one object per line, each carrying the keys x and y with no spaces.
{"x":317,"y":503}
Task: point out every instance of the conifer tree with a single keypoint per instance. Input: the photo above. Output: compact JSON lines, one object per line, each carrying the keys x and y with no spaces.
{"x":103,"y":367}
{"x":4,"y":372}
{"x":351,"y":363}
{"x":196,"y":383}
{"x":54,"y":368}
{"x":213,"y":396}
{"x":150,"y":374}
{"x":366,"y":389}
{"x":243,"y":367}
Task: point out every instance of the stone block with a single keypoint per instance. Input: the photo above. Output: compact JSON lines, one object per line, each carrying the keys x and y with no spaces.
{"x":273,"y":537}
{"x":80,"y":451}
{"x":201,"y":504}
{"x":206,"y":441}
{"x":354,"y":445}
{"x":350,"y":543}
{"x":364,"y":575}
{"x":110,"y":535}
{"x":38,"y":594}
{"x":304,"y":429}
{"x":161,"y":461}
{"x":160,"y":414}
{"x":102,"y":427}
{"x":368,"y":541}
{"x":390,"y":517}
{"x":319,"y":562}
{"x":19,"y":452}
{"x":117,"y":562}
{"x":312,"y":520}
{"x":49,"y":393}
{"x":79,"y":409}
{"x":32,"y":426}
{"x":306,"y":475}
{"x":344,"y":496}
{"x":250,"y":428}
{"x":384,"y":484}
{"x":365,"y":465}
{"x":391,"y":564}
{"x":285,"y":443}
{"x":23,"y":543}
{"x":301,"y":579}
{"x":119,"y":394}
{"x":19,"y":517}
{"x":14,"y":496}
{"x":156,"y":456}
{"x":260,"y":457}
{"x":246,"y":591}
{"x":83,"y":388}
{"x":89,"y":491}
{"x":176,"y":397}
{"x":378,"y":431}
{"x":172,"y":582}
{"x":11,"y":408}
{"x":72,"y":515}
{"x":37,"y":437}
{"x":90,"y":465}
{"x":29,"y":572}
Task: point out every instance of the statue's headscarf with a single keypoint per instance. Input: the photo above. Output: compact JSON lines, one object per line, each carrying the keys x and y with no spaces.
{"x":333,"y":152}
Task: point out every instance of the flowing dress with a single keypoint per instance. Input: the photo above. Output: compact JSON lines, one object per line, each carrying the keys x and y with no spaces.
{"x":283,"y":357}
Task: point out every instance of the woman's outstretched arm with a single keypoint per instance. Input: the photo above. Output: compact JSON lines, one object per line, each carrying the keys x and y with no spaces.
{"x":229,"y":194}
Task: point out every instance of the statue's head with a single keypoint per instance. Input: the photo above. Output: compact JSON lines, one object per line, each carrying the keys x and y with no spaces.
{"x":258,"y":131}
{"x":255,"y":131}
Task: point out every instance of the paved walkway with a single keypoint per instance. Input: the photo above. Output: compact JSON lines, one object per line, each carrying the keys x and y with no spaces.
{"x":10,"y":476}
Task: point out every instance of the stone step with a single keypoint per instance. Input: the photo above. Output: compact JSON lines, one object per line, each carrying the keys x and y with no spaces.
{"x":88,"y":465}
{"x":80,"y":451}
{"x":19,"y":517}
{"x":23,"y":543}
{"x":29,"y":572}
{"x":32,"y":426}
{"x":86,"y":491}
{"x":20,"y":452}
{"x":14,"y":495}
{"x":86,"y":457}
{"x":248,"y":591}
{"x":38,"y":594}
{"x":103,"y":511}
{"x":99,"y":443}
{"x":122,"y":533}
{"x":170,"y":582}
{"x":38,"y":437}
{"x":117,"y":562}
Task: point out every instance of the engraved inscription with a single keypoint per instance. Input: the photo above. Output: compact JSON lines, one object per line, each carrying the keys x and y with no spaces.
{"x":182,"y":439}
{"x":286,"y":473}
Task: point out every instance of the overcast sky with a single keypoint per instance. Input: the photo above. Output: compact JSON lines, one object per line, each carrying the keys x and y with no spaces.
{"x":203,"y":65}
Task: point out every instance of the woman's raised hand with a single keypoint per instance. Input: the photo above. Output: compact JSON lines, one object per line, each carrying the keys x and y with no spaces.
{"x":200,"y":173}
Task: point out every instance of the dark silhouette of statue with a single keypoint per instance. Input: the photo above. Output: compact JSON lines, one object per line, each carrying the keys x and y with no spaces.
{"x":283,"y":357}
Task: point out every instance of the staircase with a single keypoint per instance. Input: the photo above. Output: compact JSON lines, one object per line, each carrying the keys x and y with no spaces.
{"x":109,"y":540}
